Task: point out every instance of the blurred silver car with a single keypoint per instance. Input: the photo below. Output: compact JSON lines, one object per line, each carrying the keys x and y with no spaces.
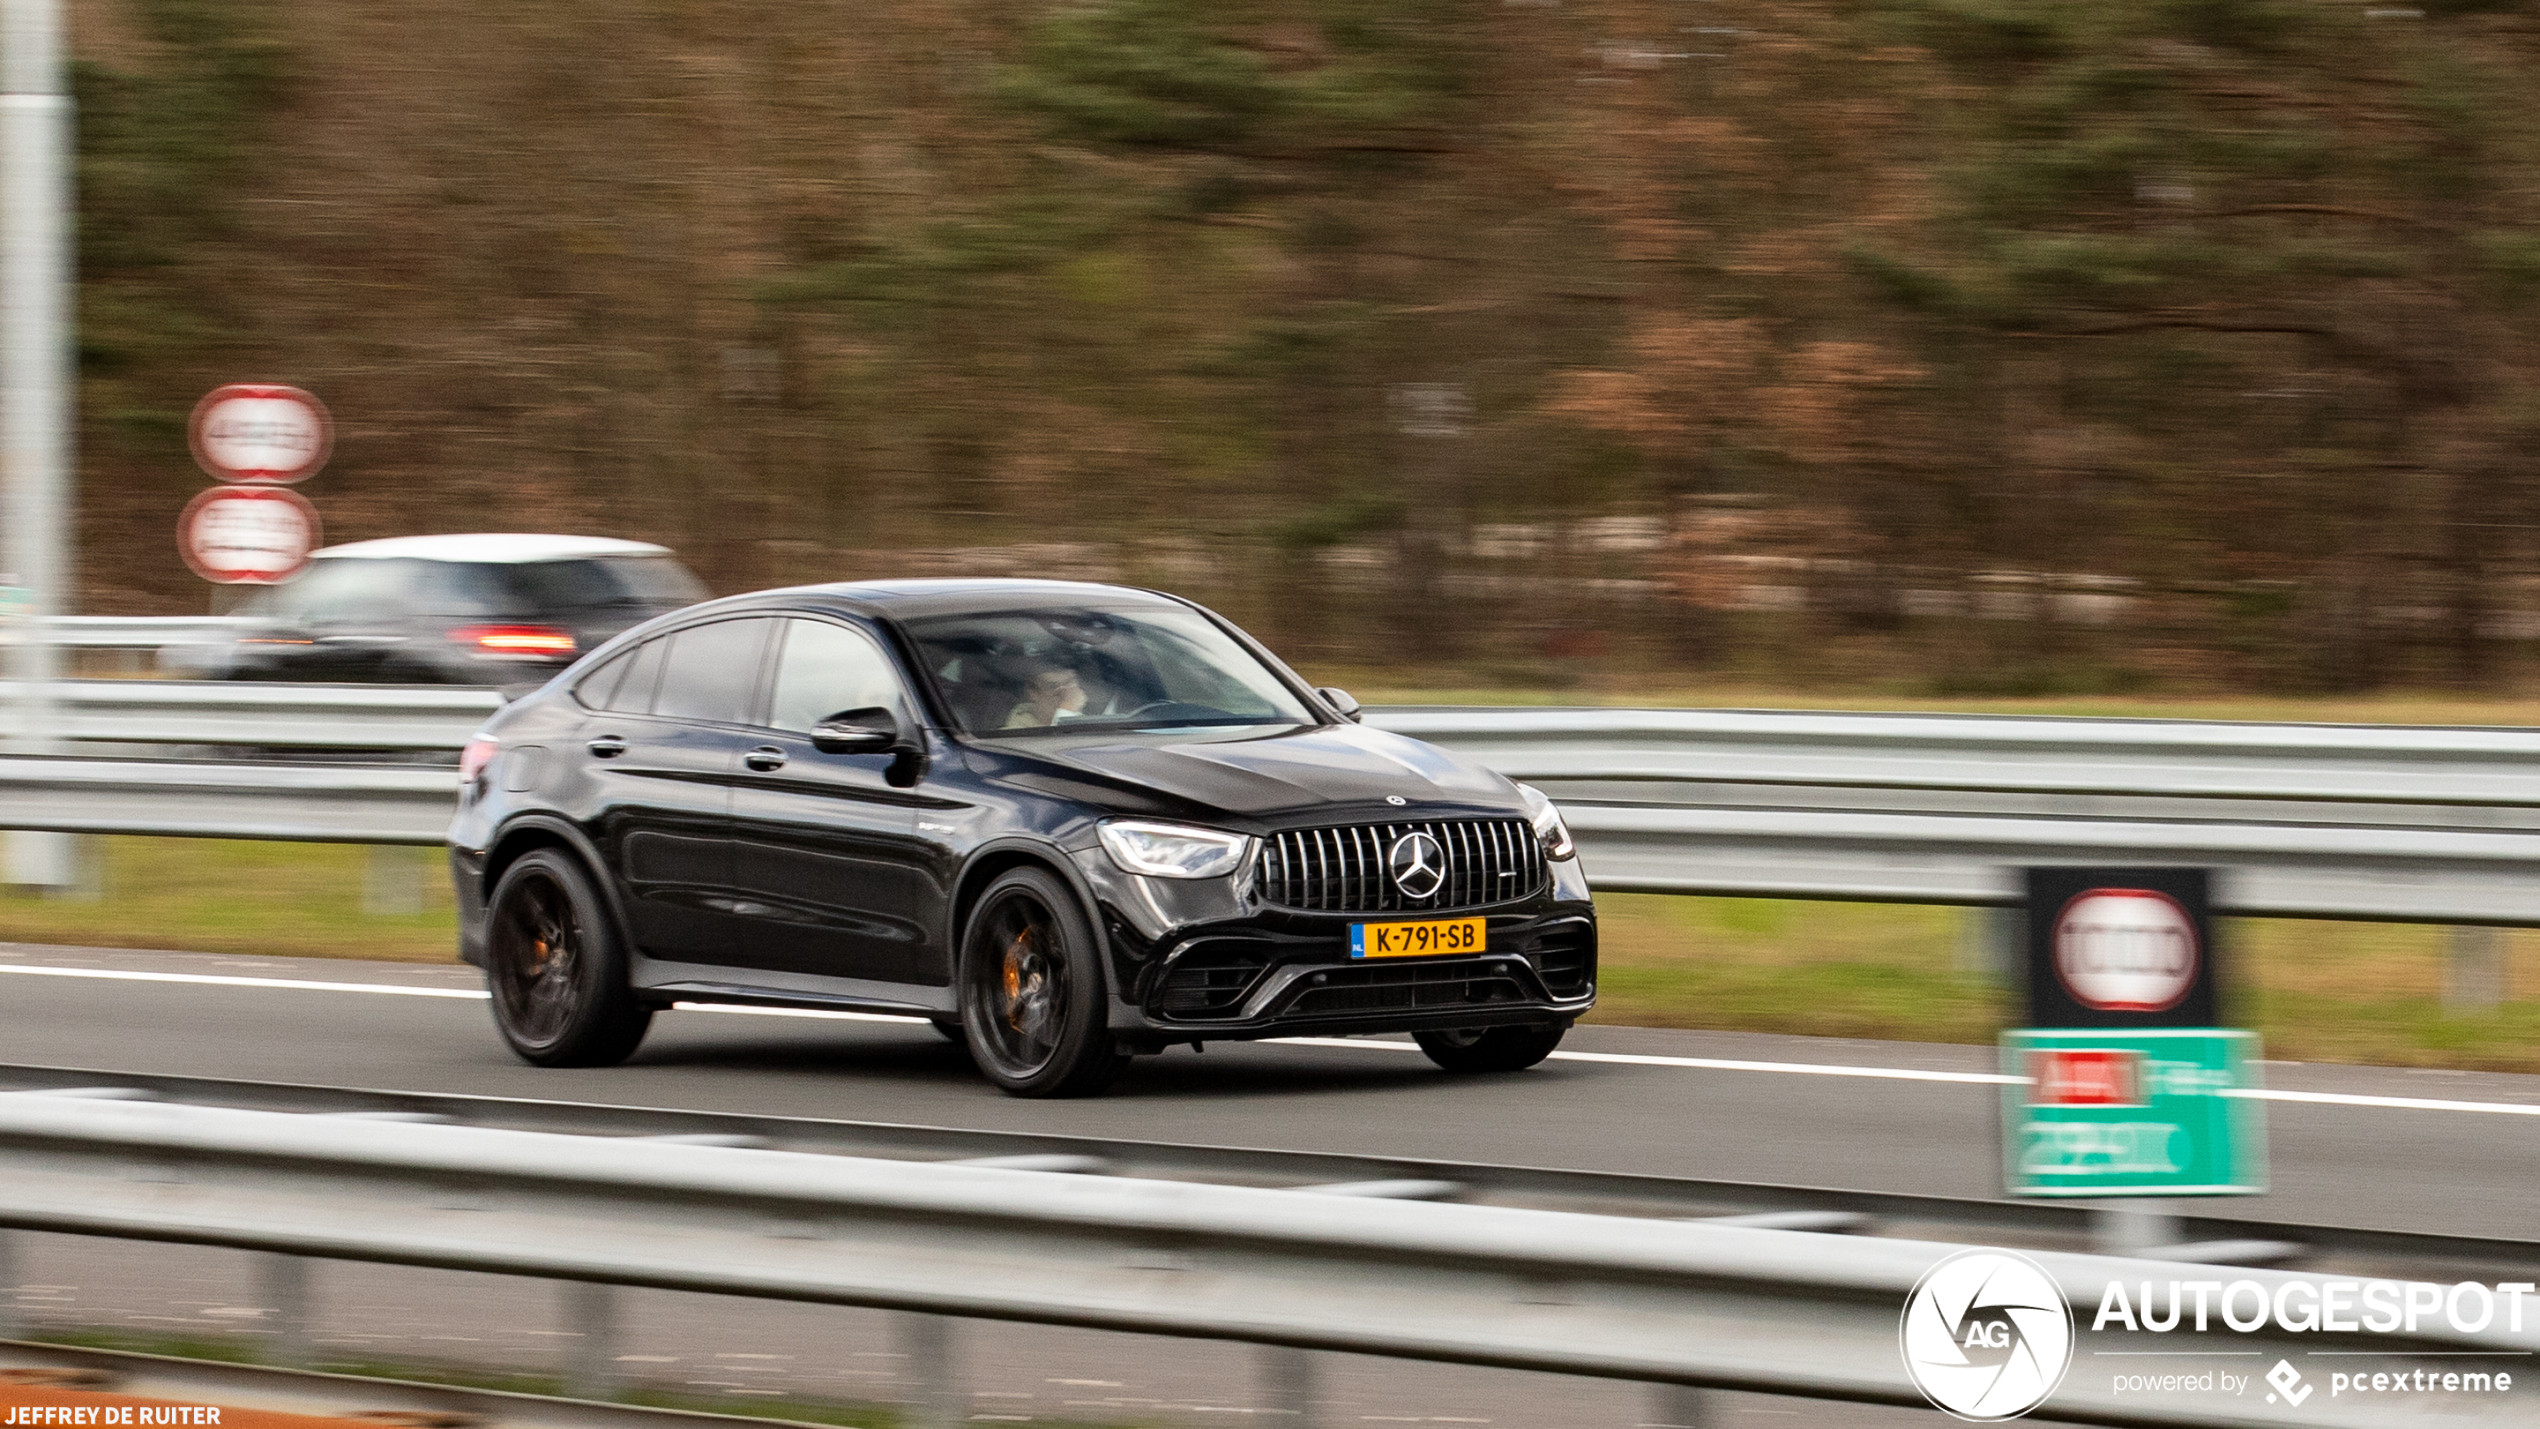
{"x":495,"y":609}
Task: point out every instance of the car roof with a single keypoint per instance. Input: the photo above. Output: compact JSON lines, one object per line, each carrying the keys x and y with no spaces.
{"x":502,"y":548}
{"x":902,"y":599}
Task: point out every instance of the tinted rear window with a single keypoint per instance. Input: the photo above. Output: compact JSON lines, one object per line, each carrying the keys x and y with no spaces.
{"x":362,"y":588}
{"x":655,"y":581}
{"x":346,"y":588}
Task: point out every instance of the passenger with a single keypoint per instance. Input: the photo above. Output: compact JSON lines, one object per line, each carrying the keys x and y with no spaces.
{"x":1051,"y":693}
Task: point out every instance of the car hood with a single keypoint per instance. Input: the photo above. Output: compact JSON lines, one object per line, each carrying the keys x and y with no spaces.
{"x":1293,"y":772}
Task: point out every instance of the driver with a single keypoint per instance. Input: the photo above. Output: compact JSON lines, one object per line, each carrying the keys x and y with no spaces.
{"x":1051,"y":692}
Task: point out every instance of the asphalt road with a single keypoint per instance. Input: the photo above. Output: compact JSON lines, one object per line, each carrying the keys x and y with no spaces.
{"x":2406,"y":1167}
{"x":1871,"y":1115}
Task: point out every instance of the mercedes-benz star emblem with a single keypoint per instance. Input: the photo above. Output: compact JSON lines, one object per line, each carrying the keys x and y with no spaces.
{"x":1418,"y":865}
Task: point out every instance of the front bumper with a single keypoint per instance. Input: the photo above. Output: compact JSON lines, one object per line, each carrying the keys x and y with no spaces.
{"x":1242,"y":983}
{"x":1200,"y":960}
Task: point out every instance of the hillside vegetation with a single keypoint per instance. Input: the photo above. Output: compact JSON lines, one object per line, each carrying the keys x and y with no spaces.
{"x":1982,"y":346}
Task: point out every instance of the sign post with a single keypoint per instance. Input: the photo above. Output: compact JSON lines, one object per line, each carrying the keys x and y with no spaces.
{"x":35,"y":393}
{"x":2125,"y":1085}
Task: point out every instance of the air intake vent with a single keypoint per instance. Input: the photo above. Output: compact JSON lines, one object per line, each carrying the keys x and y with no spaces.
{"x":1210,"y":980}
{"x":1347,"y":869}
{"x":1562,"y":955}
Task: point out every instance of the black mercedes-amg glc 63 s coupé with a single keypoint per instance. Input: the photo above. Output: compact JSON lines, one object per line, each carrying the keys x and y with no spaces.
{"x":1067,"y":823}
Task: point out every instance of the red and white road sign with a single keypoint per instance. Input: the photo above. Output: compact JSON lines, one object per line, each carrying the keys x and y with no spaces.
{"x":252,"y":432}
{"x":247,"y":535}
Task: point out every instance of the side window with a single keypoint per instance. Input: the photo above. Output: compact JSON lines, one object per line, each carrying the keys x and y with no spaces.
{"x":640,"y":669}
{"x":826,"y":668}
{"x":593,"y":690}
{"x":711,"y":671}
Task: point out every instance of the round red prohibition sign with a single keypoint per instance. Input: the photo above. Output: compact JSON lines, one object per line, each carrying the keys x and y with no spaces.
{"x":247,"y":535}
{"x":2126,"y":950}
{"x":252,"y":432}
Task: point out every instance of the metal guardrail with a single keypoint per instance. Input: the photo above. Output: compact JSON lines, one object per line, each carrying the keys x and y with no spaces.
{"x":128,"y":632}
{"x":2344,"y":821}
{"x":194,"y":713}
{"x":2353,"y":821}
{"x":2161,"y":1234}
{"x":314,"y":803}
{"x":1689,"y":1303}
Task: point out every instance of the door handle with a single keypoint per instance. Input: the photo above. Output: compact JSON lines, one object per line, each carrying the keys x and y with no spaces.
{"x":608,"y":746}
{"x":764,"y":759}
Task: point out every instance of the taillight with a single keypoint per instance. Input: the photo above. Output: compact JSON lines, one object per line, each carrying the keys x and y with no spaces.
{"x":516,"y":639}
{"x":474,"y":758}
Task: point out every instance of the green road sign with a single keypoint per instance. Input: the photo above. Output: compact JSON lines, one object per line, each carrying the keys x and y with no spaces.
{"x":2141,"y":1112}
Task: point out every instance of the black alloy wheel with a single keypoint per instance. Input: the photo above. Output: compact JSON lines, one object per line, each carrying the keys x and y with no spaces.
{"x":1490,"y":1049}
{"x":1032,"y":992}
{"x":555,"y":968}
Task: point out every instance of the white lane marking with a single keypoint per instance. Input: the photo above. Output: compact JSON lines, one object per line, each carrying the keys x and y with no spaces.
{"x":1712,"y":1064}
{"x":2270,"y":1094}
{"x":216,"y":980}
{"x":1709,"y":1064}
{"x":391,"y":989}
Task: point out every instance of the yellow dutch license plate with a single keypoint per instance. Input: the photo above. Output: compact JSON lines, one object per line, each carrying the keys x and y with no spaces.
{"x":1415,"y":940}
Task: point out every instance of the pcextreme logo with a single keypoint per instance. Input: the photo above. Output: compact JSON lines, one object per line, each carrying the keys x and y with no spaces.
{"x":1986,"y":1335}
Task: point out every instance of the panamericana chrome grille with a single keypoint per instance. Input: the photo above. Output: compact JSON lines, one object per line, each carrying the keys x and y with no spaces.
{"x":1342,"y":870}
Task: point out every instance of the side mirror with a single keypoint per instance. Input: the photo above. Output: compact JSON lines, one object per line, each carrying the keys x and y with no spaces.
{"x":1341,"y":701}
{"x":871,"y":730}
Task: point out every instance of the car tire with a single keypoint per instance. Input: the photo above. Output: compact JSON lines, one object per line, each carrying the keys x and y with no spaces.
{"x":1032,"y":991}
{"x":1490,"y":1049}
{"x":556,"y":967}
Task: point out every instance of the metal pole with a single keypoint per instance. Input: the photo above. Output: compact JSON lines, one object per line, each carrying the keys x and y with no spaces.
{"x":1680,"y":1406}
{"x":590,"y":1316}
{"x":35,"y":370}
{"x":1291,"y":1385}
{"x":933,"y":1376}
{"x":2474,"y":970}
{"x":283,"y":1282}
{"x":13,"y":1317}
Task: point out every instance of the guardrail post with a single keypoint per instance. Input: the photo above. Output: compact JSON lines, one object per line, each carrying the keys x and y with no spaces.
{"x":283,"y":1282}
{"x":13,"y":1318}
{"x":2474,"y":970}
{"x":1989,"y":941}
{"x":36,"y":858}
{"x":926,"y":1343}
{"x":1681,"y":1406}
{"x":392,"y":881}
{"x":2132,"y":1227}
{"x":590,"y":1317}
{"x":1290,"y":1383}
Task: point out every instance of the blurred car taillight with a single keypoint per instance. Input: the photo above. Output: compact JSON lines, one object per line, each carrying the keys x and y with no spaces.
{"x":473,"y":759}
{"x":516,"y":639}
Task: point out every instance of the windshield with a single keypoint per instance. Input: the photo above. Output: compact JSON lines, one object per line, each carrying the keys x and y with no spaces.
{"x":1079,"y":670}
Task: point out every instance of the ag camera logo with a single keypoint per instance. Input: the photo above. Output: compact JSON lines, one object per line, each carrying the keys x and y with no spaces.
{"x":1986,"y":1335}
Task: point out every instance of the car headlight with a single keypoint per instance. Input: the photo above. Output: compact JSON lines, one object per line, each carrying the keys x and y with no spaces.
{"x":1174,"y":850}
{"x":1548,"y":826}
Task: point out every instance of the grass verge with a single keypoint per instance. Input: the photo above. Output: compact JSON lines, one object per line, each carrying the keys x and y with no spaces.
{"x":2319,"y":992}
{"x":2316,"y":991}
{"x":244,"y":896}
